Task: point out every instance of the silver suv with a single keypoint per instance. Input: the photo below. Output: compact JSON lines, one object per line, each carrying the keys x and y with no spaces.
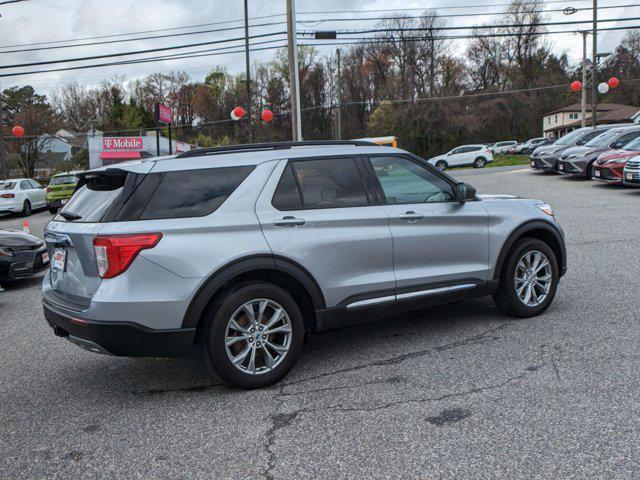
{"x":239,"y":251}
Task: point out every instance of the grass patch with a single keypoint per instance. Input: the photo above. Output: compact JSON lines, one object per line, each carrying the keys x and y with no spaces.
{"x":502,"y":160}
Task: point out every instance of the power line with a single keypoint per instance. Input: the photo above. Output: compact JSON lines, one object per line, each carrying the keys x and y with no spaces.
{"x":452,"y":15}
{"x":138,"y":52}
{"x":153,"y":37}
{"x":469,"y":27}
{"x":229,"y":49}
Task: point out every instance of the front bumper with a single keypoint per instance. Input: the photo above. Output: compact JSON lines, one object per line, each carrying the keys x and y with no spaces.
{"x":607,"y":175}
{"x":546,"y":164}
{"x":567,"y":167}
{"x":119,"y":338}
{"x":631,"y":178}
{"x":23,"y":264}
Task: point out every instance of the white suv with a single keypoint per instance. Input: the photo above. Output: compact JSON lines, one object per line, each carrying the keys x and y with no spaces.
{"x":466,"y":155}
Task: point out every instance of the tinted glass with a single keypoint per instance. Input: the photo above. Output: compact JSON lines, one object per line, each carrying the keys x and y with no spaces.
{"x":287,"y":195}
{"x":330,"y":183}
{"x":632,"y":146}
{"x":24,"y":185}
{"x":404,"y":181}
{"x":7,"y":185}
{"x":457,"y":150}
{"x":472,"y":149}
{"x":193,"y":193}
{"x":89,"y":204}
{"x":601,"y":140}
{"x":628,"y":137}
{"x":67,"y":179}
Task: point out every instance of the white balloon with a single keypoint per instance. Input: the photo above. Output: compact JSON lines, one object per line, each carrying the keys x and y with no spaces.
{"x":603,"y":88}
{"x":234,"y":116}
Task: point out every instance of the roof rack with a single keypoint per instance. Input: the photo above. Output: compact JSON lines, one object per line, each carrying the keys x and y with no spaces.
{"x":272,"y":146}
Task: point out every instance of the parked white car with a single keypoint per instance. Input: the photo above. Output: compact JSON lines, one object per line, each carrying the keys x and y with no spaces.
{"x":21,"y":195}
{"x":464,"y":155}
{"x":502,"y":147}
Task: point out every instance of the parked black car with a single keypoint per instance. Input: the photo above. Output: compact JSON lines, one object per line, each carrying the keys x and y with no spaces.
{"x":21,"y":256}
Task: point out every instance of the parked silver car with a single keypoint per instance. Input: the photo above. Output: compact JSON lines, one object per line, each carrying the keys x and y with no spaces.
{"x":239,"y":251}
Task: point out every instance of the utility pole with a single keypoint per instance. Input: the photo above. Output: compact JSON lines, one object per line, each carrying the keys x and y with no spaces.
{"x":339,"y":113}
{"x":3,"y":156}
{"x":294,"y":79}
{"x":247,"y":68}
{"x":594,"y":67}
{"x":583,"y":101}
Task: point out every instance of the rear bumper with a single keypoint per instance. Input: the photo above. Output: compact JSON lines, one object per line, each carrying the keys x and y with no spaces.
{"x":23,"y":265}
{"x":118,"y":338}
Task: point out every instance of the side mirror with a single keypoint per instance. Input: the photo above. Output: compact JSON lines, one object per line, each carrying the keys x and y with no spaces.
{"x":465,"y":192}
{"x":617,"y":145}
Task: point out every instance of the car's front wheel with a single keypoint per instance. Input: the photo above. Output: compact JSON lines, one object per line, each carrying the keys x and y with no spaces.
{"x":252,"y":334}
{"x":528,"y":280}
{"x":479,"y":162}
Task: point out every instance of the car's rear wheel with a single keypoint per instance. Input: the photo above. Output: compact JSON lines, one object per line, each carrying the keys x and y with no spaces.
{"x":479,"y":162}
{"x":252,"y":334}
{"x":528,"y":280}
{"x":26,"y":208}
{"x":441,"y":165}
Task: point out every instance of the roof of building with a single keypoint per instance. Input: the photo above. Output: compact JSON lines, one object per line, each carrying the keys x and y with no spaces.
{"x":602,"y":107}
{"x":606,"y":114}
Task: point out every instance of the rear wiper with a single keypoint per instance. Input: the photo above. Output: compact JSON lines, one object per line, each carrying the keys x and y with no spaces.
{"x":70,"y":216}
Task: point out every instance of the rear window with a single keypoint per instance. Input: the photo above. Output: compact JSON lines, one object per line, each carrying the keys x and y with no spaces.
{"x":67,"y":179}
{"x":117,"y":195}
{"x":7,"y":186}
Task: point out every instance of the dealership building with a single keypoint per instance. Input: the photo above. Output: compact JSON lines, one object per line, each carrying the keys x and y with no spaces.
{"x":105,"y":151}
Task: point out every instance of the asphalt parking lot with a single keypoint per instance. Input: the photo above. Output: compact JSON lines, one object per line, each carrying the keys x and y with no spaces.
{"x":460,"y":391}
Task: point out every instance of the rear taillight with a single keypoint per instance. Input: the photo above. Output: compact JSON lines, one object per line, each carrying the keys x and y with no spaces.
{"x":7,"y":195}
{"x":114,"y":253}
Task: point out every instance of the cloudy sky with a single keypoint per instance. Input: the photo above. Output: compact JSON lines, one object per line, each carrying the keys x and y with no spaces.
{"x":37,"y":21}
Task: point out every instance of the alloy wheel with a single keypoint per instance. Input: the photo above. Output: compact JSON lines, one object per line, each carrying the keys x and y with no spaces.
{"x":258,"y":336}
{"x":533,"y":278}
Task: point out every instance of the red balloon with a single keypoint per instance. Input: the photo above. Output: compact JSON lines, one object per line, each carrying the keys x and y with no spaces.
{"x":576,"y":86}
{"x":239,"y":112}
{"x":17,"y":131}
{"x":267,"y":115}
{"x":613,"y":82}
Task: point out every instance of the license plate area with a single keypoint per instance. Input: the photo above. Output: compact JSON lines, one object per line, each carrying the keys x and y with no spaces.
{"x":45,"y":258}
{"x":597,"y":173}
{"x":629,"y":176}
{"x":59,"y":261}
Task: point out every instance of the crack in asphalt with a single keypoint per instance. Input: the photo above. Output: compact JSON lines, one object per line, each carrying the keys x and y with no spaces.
{"x":480,"y":338}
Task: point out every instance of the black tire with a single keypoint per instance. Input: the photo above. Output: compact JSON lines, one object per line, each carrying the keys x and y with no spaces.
{"x":506,"y":297}
{"x":479,"y":162}
{"x":441,"y":165}
{"x":211,"y":340}
{"x":53,"y":210}
{"x":26,"y":208}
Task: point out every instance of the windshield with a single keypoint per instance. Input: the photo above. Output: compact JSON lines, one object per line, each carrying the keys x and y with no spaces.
{"x":7,"y":185}
{"x":570,"y":138}
{"x":64,"y":180}
{"x":602,"y":140}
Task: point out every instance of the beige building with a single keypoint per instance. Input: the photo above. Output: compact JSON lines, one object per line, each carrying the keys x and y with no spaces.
{"x":562,"y":121}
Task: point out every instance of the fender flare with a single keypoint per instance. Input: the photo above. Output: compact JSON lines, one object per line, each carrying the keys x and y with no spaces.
{"x":247,"y":264}
{"x":521,"y":231}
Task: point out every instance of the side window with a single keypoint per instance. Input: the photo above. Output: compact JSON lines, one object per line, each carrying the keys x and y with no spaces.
{"x":455,"y":151}
{"x":287,"y":195}
{"x":589,"y":136}
{"x":35,"y":184}
{"x":626,"y":138}
{"x":24,"y":185}
{"x":404,"y":181}
{"x":473,"y":149}
{"x":330,"y":183}
{"x":192,"y":193}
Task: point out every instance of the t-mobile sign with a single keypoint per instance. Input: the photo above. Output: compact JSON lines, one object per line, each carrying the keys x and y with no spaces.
{"x":164,"y":114}
{"x":122,"y":143}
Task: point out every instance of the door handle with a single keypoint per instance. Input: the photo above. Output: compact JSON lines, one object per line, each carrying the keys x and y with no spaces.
{"x":288,"y":222}
{"x":411,"y":216}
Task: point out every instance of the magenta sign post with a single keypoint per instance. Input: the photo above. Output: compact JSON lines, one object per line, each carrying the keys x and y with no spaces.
{"x":163,"y":115}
